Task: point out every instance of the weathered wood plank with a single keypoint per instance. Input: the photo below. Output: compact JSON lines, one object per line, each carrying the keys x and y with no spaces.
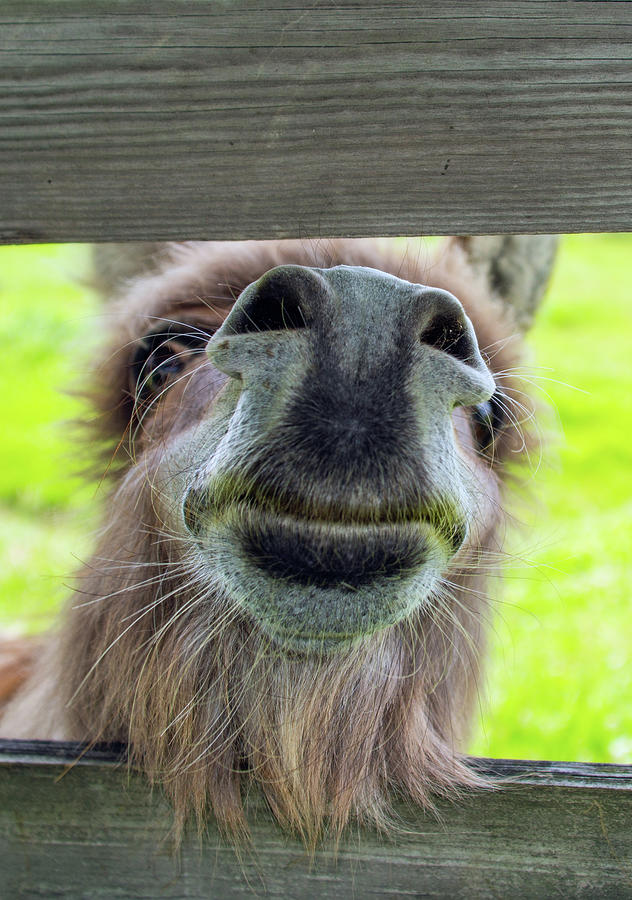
{"x":182,"y":119}
{"x":559,"y":830}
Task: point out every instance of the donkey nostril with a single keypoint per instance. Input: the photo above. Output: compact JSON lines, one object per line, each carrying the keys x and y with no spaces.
{"x":449,"y":333}
{"x":271,"y":304}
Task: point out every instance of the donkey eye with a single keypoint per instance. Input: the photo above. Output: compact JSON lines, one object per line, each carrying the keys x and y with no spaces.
{"x":487,"y":421}
{"x":160,"y":366}
{"x":161,"y":355}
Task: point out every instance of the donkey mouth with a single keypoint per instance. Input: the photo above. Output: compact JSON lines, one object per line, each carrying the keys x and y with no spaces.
{"x":309,"y":547}
{"x":326,"y":554}
{"x":313,"y":583}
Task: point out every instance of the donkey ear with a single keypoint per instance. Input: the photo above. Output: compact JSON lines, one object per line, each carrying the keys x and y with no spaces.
{"x":516,"y":268}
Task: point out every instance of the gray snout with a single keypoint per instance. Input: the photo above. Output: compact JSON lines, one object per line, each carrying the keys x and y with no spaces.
{"x":358,"y":320}
{"x":337,"y":470}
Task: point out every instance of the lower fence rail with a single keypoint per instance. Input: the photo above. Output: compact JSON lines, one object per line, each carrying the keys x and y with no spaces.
{"x":79,"y":824}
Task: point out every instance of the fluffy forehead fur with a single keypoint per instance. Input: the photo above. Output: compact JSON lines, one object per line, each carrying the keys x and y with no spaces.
{"x":207,"y":701}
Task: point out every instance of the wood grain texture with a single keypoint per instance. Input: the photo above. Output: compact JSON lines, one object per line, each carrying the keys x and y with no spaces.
{"x":555,"y":830}
{"x":180,"y":119}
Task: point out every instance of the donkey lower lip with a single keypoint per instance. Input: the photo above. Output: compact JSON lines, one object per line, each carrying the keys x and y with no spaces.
{"x":325,"y":554}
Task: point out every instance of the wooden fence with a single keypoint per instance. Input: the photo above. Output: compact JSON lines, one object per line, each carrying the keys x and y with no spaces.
{"x":198,"y":119}
{"x":87,"y":829}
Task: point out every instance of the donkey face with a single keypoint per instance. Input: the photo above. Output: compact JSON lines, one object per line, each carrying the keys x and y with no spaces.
{"x":290,"y":587}
{"x":323,"y":489}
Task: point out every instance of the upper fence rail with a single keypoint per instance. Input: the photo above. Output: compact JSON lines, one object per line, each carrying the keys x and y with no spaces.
{"x":182,"y":120}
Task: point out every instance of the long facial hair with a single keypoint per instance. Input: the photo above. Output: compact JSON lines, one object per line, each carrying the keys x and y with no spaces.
{"x":207,"y":702}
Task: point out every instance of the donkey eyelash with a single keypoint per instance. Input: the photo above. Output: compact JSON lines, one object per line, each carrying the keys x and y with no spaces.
{"x":488,"y":420}
{"x":162,"y":354}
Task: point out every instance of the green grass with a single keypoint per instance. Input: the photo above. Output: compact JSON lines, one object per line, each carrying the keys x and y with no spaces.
{"x":560,"y":676}
{"x":560,"y":683}
{"x":47,"y":325}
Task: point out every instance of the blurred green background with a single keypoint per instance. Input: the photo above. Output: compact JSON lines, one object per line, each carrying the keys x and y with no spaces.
{"x":559,"y":683}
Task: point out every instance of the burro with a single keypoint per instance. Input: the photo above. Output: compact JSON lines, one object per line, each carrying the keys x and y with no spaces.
{"x":307,"y":447}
